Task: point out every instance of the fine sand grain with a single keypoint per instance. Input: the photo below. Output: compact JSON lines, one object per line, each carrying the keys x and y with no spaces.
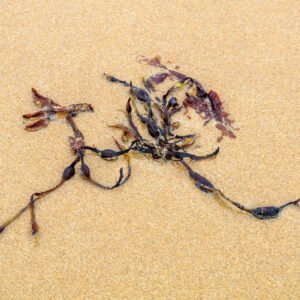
{"x":157,"y":237}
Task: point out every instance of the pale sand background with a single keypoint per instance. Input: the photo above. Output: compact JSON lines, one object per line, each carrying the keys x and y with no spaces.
{"x":148,"y":239}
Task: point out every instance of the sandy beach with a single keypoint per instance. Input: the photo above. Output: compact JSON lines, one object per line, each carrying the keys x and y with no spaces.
{"x":158,"y":236}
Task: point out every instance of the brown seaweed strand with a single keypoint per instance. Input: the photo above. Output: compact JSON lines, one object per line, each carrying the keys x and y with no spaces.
{"x":34,"y":197}
{"x":68,"y":173}
{"x":130,"y":121}
{"x":127,"y":158}
{"x":34,"y":225}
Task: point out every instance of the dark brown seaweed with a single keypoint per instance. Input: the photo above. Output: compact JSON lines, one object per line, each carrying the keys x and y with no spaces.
{"x":49,"y":109}
{"x":167,"y":145}
{"x":77,"y":146}
{"x":156,"y":115}
{"x":208,"y":105}
{"x":154,"y":80}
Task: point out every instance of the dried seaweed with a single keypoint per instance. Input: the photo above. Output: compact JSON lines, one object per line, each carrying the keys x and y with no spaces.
{"x":167,"y":145}
{"x":155,"y":116}
{"x":77,"y":146}
{"x":49,"y":109}
{"x":208,"y":105}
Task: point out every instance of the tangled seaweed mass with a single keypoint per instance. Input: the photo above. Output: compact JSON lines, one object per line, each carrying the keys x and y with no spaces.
{"x":150,"y":131}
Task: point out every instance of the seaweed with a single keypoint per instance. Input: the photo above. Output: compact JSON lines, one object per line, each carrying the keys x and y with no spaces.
{"x":208,"y":105}
{"x":167,"y":145}
{"x":77,"y":146}
{"x":150,"y":130}
{"x":49,"y":109}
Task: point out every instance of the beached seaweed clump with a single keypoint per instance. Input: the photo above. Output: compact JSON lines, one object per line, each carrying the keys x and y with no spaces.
{"x":207,"y":104}
{"x":150,"y":130}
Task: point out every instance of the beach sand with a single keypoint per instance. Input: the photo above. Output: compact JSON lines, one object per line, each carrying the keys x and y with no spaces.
{"x":158,"y":236}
